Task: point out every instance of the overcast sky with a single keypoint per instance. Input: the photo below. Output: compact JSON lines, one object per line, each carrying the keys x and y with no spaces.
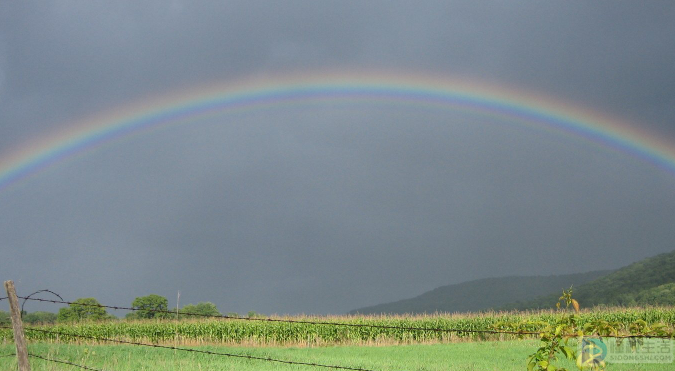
{"x":324,"y":209}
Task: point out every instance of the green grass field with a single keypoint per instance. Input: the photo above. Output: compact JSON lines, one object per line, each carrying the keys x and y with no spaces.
{"x":396,"y":349}
{"x":487,"y":356}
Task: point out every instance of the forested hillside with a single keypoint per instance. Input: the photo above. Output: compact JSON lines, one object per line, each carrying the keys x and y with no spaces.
{"x":483,"y":294}
{"x":647,"y":282}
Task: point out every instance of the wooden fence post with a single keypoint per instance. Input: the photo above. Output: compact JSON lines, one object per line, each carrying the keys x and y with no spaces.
{"x":17,"y":325}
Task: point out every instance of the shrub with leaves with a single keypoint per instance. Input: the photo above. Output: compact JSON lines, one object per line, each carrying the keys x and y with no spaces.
{"x":555,"y":339}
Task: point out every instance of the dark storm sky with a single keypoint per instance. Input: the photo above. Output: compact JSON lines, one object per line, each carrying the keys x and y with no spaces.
{"x":326,"y":209}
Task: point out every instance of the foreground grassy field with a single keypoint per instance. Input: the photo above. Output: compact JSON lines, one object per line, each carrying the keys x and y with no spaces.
{"x":484,"y":356}
{"x":396,"y":348}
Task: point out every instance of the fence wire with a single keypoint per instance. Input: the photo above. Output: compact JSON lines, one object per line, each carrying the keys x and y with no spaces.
{"x":406,"y":328}
{"x":35,"y":293}
{"x":253,"y":357}
{"x":325,"y":323}
{"x":64,"y":362}
{"x":246,"y":356}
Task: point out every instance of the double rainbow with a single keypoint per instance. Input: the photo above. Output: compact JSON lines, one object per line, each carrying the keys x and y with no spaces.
{"x":186,"y":107}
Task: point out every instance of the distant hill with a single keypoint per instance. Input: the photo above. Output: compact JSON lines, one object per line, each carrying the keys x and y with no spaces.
{"x":647,"y":282}
{"x":482,"y":294}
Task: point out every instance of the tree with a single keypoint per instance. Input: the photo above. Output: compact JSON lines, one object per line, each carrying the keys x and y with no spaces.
{"x":204,"y":308}
{"x":659,"y":295}
{"x":149,"y":305}
{"x":83,"y":309}
{"x":40,"y":318}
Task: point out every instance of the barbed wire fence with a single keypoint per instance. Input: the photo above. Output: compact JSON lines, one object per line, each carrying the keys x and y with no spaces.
{"x":213,"y":353}
{"x":286,"y":320}
{"x":326,"y":323}
{"x":64,"y":362}
{"x":35,"y":293}
{"x":247,"y":356}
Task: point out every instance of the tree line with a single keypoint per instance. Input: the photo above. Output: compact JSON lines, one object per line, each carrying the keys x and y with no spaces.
{"x":148,"y":307}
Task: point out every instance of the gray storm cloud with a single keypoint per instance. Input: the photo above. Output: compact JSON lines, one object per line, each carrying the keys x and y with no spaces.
{"x":326,"y":209}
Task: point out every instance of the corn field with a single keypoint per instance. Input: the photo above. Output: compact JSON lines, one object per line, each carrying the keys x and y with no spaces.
{"x":247,"y":332}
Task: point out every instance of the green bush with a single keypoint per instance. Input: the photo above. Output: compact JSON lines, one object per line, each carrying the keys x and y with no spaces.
{"x":40,"y":318}
{"x":83,"y":309}
{"x":149,"y":305}
{"x":204,"y":308}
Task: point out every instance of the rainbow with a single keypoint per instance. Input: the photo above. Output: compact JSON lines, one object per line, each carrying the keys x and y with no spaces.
{"x":254,"y":94}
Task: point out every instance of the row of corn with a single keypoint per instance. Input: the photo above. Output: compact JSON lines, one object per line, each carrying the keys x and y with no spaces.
{"x":271,"y":332}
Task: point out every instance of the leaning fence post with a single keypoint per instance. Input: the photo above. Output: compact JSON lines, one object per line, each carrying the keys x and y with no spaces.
{"x":17,"y":325}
